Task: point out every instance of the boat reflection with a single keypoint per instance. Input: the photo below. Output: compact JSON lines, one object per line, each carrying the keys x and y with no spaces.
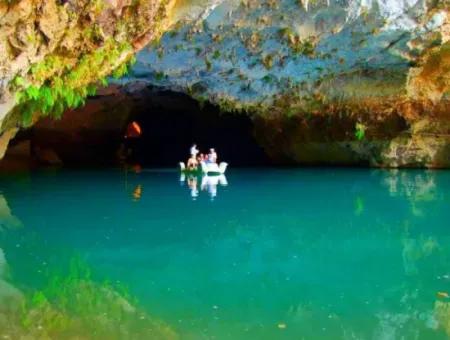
{"x":208,"y":184}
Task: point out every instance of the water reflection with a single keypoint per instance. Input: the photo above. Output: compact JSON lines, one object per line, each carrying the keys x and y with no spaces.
{"x":282,"y":254}
{"x":209,"y":184}
{"x":416,"y":187}
{"x":137,"y":193}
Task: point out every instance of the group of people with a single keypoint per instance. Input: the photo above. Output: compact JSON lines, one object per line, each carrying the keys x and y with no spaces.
{"x":197,"y":157}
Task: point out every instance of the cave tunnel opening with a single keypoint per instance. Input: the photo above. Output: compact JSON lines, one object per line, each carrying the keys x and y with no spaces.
{"x":171,"y":122}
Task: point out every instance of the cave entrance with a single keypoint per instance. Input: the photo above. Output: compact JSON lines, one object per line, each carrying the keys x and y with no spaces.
{"x":171,"y":122}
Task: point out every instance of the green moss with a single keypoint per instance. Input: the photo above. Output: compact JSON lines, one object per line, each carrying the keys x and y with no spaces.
{"x":86,"y":54}
{"x":208,"y":64}
{"x":300,"y":46}
{"x":55,"y":84}
{"x":159,"y":76}
{"x":73,"y":305}
{"x":267,"y":61}
{"x":267,"y":79}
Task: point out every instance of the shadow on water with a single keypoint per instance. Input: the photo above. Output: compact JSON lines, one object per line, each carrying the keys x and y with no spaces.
{"x":277,"y":254}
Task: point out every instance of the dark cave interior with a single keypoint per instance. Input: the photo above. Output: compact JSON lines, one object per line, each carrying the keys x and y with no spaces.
{"x":172,"y":122}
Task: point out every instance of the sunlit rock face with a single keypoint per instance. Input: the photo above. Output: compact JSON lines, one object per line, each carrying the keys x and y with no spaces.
{"x":54,"y":53}
{"x":328,"y":81}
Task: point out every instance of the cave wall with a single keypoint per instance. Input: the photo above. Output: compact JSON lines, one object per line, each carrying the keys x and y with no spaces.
{"x":53,"y":53}
{"x":324,"y":80}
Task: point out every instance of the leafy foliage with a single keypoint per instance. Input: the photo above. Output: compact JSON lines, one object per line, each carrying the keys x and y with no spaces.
{"x":56,"y":84}
{"x":360,"y":131}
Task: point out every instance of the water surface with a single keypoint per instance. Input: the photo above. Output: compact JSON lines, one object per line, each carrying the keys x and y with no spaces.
{"x":265,"y":254}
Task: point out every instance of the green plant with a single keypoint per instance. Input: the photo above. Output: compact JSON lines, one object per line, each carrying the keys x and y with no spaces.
{"x":267,"y":79}
{"x":300,"y":46}
{"x":208,"y":64}
{"x":159,"y":76}
{"x":267,"y":61}
{"x":360,"y":131}
{"x":57,"y":83}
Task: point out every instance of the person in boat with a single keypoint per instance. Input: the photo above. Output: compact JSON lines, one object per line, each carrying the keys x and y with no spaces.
{"x":212,"y":157}
{"x":200,"y":158}
{"x":192,"y":163}
{"x":194,"y":151}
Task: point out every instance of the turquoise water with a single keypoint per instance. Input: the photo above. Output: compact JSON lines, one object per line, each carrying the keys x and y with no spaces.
{"x":265,"y":254}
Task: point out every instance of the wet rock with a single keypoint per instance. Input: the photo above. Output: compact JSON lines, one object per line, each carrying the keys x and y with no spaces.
{"x":46,"y":156}
{"x":5,"y":137}
{"x":7,"y":221}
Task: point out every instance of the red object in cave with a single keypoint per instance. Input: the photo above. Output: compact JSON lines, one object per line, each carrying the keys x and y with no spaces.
{"x":133,"y":130}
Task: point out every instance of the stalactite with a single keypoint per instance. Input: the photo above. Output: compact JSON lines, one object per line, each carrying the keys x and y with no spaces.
{"x":305,"y":4}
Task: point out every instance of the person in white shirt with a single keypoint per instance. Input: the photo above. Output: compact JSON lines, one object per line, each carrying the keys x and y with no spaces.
{"x":194,"y":150}
{"x":192,"y":162}
{"x":212,"y":156}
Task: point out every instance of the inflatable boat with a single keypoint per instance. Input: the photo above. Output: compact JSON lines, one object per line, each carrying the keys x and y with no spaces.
{"x":210,"y":169}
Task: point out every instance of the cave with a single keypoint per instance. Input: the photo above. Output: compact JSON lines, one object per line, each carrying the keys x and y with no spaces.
{"x":170,"y":122}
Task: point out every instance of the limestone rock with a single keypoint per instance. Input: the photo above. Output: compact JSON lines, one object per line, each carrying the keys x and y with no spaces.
{"x":323,"y":63}
{"x":5,"y":137}
{"x":53,"y":22}
{"x":49,"y":45}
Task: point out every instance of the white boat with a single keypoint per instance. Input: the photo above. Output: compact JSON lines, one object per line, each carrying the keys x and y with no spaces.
{"x":210,"y":169}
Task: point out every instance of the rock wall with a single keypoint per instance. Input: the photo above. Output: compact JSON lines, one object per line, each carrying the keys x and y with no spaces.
{"x":55,"y":53}
{"x":326,"y":79}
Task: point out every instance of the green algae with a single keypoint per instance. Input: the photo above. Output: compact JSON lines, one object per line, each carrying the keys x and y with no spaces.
{"x":75,"y":306}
